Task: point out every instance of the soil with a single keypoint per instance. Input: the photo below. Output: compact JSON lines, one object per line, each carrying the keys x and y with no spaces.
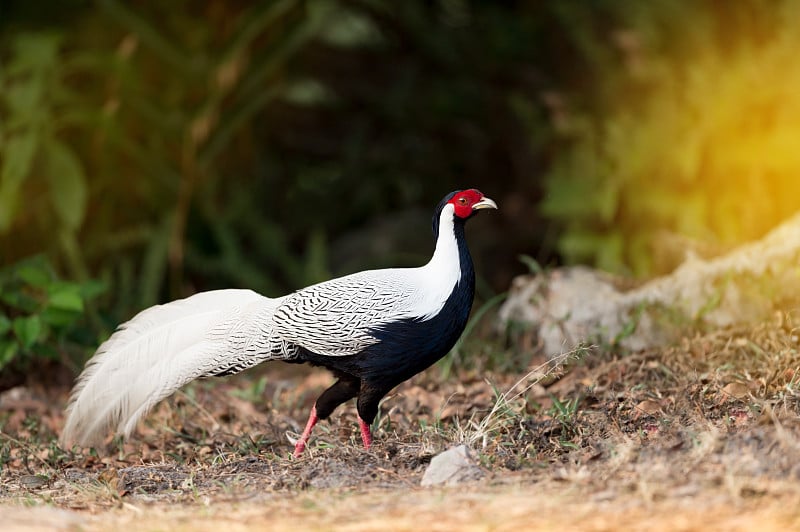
{"x":701,"y":435}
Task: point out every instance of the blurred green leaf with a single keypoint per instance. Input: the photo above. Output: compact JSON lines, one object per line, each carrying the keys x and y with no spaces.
{"x":8,"y":350}
{"x":59,"y":318}
{"x":17,"y":160}
{"x":34,"y":272}
{"x":582,"y":245}
{"x":532,"y":264}
{"x":349,"y":29}
{"x":91,"y":289}
{"x":129,"y":18}
{"x":19,"y":299}
{"x":67,"y":183}
{"x":34,"y":56}
{"x":34,"y":52}
{"x":315,"y":269}
{"x":66,"y":297}
{"x":28,"y":330}
{"x":307,"y":92}
{"x":5,"y":324}
{"x":24,"y":101}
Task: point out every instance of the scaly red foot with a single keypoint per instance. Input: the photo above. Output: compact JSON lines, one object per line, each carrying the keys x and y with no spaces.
{"x":300,"y":446}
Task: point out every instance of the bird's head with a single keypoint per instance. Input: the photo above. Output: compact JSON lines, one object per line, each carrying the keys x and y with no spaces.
{"x":466,"y":203}
{"x":462,"y":204}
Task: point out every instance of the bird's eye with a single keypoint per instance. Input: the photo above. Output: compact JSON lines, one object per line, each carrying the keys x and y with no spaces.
{"x":462,"y":200}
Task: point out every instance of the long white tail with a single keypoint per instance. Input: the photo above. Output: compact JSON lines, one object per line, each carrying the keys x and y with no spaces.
{"x":161,"y":349}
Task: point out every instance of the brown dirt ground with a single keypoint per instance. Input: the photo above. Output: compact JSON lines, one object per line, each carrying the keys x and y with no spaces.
{"x":702,"y":435}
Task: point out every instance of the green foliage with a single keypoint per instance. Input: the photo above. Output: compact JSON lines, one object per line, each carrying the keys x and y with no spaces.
{"x":167,"y":147}
{"x":151,"y":105}
{"x":566,"y":413}
{"x":172,"y":149}
{"x":40,"y":315}
{"x":689,"y":130}
{"x":32,"y":94}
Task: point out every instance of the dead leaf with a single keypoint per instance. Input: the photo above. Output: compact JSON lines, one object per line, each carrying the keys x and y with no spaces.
{"x":648,"y":407}
{"x":736,"y":390}
{"x":110,"y":477}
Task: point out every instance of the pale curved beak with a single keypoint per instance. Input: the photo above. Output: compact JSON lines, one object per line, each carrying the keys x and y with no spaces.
{"x":485,"y":203}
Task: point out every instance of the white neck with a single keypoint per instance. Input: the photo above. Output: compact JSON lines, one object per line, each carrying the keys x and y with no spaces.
{"x":439,"y":277}
{"x":445,"y":260}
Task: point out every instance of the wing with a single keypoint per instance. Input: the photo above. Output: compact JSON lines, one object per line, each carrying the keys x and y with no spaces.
{"x":335,"y":318}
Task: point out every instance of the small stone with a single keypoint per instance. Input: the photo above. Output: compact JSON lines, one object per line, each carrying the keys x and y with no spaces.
{"x":32,"y":482}
{"x":452,"y":467}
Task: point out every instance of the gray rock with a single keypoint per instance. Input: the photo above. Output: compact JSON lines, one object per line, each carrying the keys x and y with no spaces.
{"x":452,"y":467}
{"x":571,"y":306}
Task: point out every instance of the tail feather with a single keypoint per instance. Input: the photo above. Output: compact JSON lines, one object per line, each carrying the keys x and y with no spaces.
{"x":160,"y":350}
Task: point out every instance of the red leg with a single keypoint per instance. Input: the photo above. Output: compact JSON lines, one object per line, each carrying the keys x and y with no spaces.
{"x":300,"y":446}
{"x":366,"y":433}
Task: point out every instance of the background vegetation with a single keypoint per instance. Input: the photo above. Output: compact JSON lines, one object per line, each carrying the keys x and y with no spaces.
{"x":152,"y":149}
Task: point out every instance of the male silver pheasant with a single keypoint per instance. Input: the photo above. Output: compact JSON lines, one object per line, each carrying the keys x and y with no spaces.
{"x":373,"y":330}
